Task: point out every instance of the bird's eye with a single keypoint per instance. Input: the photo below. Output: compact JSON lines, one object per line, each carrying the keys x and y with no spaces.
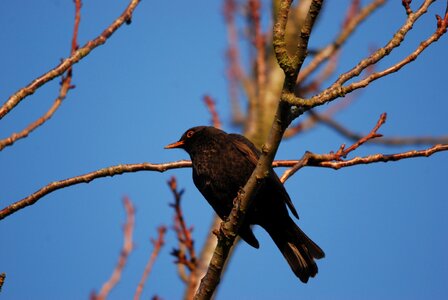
{"x":190,"y":133}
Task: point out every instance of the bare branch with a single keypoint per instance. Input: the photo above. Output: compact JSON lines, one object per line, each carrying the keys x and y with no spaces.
{"x":2,"y":280}
{"x":341,"y":153}
{"x":65,"y":87}
{"x":158,"y":244}
{"x":124,"y":254}
{"x":256,"y":109}
{"x":235,"y":73}
{"x":184,"y":234}
{"x":330,"y":160}
{"x":349,"y":26}
{"x":86,"y":178}
{"x":292,"y":65}
{"x":17,"y":97}
{"x":407,"y":6}
{"x":391,"y":141}
{"x":204,"y":258}
{"x":130,"y":168}
{"x":243,"y":201}
{"x":279,"y":41}
{"x":210,"y":103}
{"x":338,"y":90}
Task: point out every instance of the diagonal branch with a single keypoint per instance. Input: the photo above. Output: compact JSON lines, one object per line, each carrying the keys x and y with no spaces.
{"x":158,"y":244}
{"x":341,"y":153}
{"x":82,"y":52}
{"x":390,"y":141}
{"x":65,"y":87}
{"x":349,"y":27}
{"x":338,"y":90}
{"x":124,"y":254}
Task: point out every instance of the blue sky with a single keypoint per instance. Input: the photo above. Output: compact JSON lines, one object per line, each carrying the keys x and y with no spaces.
{"x":382,"y":226}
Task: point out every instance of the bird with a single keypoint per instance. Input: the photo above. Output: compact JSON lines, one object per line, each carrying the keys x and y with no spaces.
{"x":222,"y":164}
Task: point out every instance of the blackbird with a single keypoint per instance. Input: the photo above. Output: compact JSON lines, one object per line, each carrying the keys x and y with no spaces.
{"x":222,"y":164}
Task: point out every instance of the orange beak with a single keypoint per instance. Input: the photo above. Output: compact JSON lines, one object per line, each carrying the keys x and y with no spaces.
{"x":178,"y":144}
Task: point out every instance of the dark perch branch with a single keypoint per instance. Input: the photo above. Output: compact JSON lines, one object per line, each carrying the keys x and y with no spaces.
{"x":291,"y":67}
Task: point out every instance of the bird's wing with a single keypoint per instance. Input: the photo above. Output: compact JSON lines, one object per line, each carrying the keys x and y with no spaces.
{"x":246,"y":147}
{"x":252,"y":154}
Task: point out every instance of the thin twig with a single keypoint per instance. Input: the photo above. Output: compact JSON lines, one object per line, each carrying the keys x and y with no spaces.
{"x":338,"y":90}
{"x":124,"y":254}
{"x":235,"y":73}
{"x":2,"y":280}
{"x":79,"y":54}
{"x":65,"y":87}
{"x":184,"y":234}
{"x":210,"y":103}
{"x":341,"y":153}
{"x":327,"y":160}
{"x":86,"y":178}
{"x":258,"y":40}
{"x":158,"y":244}
{"x":390,"y":141}
{"x":407,"y":6}
{"x":349,"y":26}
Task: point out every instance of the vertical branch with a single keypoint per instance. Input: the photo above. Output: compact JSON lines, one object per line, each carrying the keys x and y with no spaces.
{"x":305,"y":33}
{"x":254,"y":8}
{"x":291,"y":67}
{"x":126,"y":250}
{"x":210,"y":103}
{"x":278,"y":40}
{"x":158,"y":244}
{"x":2,"y":280}
{"x":185,"y":254}
{"x":234,"y":72}
{"x":183,"y":233}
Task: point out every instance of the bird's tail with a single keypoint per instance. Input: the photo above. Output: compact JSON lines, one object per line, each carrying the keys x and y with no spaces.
{"x":297,"y":248}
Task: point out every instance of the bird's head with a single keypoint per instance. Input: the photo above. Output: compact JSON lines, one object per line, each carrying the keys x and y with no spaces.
{"x":189,"y":138}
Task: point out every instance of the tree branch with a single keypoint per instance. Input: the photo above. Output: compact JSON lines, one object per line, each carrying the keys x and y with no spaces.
{"x":210,"y":103}
{"x":229,"y":229}
{"x":184,"y":234}
{"x":86,"y":178}
{"x":82,"y":52}
{"x":350,"y":24}
{"x":390,"y":141}
{"x":65,"y":87}
{"x":234,"y":71}
{"x":131,"y":168}
{"x":158,"y":244}
{"x":2,"y":280}
{"x":338,"y":90}
{"x":124,"y":254}
{"x":332,"y":161}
